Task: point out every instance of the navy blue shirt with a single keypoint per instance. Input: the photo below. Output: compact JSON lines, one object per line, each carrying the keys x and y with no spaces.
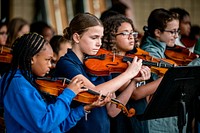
{"x":97,"y":121}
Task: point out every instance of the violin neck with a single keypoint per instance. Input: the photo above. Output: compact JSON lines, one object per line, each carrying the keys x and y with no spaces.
{"x":64,"y":80}
{"x":161,"y":64}
{"x":97,"y":93}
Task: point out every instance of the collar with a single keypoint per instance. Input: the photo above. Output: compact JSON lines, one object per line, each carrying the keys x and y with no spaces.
{"x":71,"y":55}
{"x":156,"y":43}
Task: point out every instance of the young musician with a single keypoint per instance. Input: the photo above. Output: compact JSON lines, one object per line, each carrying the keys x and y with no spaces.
{"x":85,"y":32}
{"x":119,"y":38}
{"x":26,"y":108}
{"x":162,"y":31}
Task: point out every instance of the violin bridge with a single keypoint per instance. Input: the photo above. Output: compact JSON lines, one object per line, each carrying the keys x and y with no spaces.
{"x":113,"y":59}
{"x":64,"y":80}
{"x":1,"y":49}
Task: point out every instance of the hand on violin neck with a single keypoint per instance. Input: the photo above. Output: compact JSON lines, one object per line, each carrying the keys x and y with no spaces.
{"x":77,"y":86}
{"x":134,"y":67}
{"x":101,"y":101}
{"x":144,"y":74}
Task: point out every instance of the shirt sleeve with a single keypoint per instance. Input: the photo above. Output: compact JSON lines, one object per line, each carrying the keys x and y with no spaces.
{"x":72,"y":119}
{"x":28,"y":108}
{"x":67,"y":68}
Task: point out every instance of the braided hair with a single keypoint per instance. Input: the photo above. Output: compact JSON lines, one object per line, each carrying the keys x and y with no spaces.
{"x":24,"y":48}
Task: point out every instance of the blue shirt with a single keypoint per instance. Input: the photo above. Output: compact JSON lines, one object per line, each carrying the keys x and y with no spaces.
{"x":26,"y":111}
{"x":98,"y":121}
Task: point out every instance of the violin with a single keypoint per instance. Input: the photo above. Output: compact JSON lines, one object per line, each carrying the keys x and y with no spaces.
{"x":105,"y":62}
{"x":182,"y":56}
{"x":2,"y":124}
{"x":158,"y":66}
{"x":55,"y":86}
{"x":5,"y":55}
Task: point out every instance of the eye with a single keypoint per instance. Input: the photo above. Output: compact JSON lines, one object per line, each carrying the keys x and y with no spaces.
{"x":49,"y":59}
{"x":125,"y":33}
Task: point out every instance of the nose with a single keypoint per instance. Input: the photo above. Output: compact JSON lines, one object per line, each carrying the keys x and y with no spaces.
{"x":176,"y":35}
{"x":131,"y":36}
{"x":99,"y":42}
{"x":49,"y":64}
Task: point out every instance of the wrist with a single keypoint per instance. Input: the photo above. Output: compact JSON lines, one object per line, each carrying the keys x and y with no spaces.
{"x":87,"y":108}
{"x":87,"y":111}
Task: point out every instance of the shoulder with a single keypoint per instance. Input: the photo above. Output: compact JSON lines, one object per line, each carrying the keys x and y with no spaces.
{"x":69,"y":66}
{"x":195,"y":62}
{"x":21,"y":85}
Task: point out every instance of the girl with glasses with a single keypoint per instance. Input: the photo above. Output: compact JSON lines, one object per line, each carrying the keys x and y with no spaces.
{"x":119,"y":37}
{"x":161,"y":31}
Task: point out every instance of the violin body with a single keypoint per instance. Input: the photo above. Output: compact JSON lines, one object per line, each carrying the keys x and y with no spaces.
{"x":182,"y":56}
{"x":5,"y":55}
{"x":105,"y":62}
{"x":5,"y":58}
{"x":56,"y":87}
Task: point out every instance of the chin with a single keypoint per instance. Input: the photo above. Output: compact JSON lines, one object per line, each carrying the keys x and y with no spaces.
{"x":42,"y":75}
{"x":93,"y":53}
{"x":171,"y":44}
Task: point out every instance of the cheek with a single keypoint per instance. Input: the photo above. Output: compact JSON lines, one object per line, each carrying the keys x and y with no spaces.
{"x":38,"y":69}
{"x":86,"y":46}
{"x":122,"y":44}
{"x":62,"y":52}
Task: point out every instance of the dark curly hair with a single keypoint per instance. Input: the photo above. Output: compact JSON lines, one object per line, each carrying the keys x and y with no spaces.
{"x":111,"y":26}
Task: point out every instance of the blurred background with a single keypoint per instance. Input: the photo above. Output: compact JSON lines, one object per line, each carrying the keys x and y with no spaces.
{"x":58,"y":13}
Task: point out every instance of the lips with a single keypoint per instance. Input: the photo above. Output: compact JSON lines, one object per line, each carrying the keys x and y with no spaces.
{"x":95,"y":50}
{"x":132,"y":43}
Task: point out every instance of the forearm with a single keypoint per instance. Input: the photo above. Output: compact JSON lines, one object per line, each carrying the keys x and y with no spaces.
{"x":123,"y":97}
{"x":114,"y":84}
{"x":146,"y":90}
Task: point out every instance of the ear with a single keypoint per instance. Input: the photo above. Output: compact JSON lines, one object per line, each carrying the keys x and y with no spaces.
{"x":76,"y":37}
{"x":32,"y":61}
{"x":55,"y":57}
{"x":157,"y":33}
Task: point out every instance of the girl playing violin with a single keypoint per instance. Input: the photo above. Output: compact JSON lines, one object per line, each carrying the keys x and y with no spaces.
{"x":3,"y":38}
{"x":162,"y":31}
{"x":85,"y":31}
{"x":119,"y":37}
{"x":26,"y":109}
{"x":185,"y":29}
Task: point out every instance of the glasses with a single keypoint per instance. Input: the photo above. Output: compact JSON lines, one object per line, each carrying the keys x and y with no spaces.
{"x":127,"y":34}
{"x":173,"y":32}
{"x":3,"y":33}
